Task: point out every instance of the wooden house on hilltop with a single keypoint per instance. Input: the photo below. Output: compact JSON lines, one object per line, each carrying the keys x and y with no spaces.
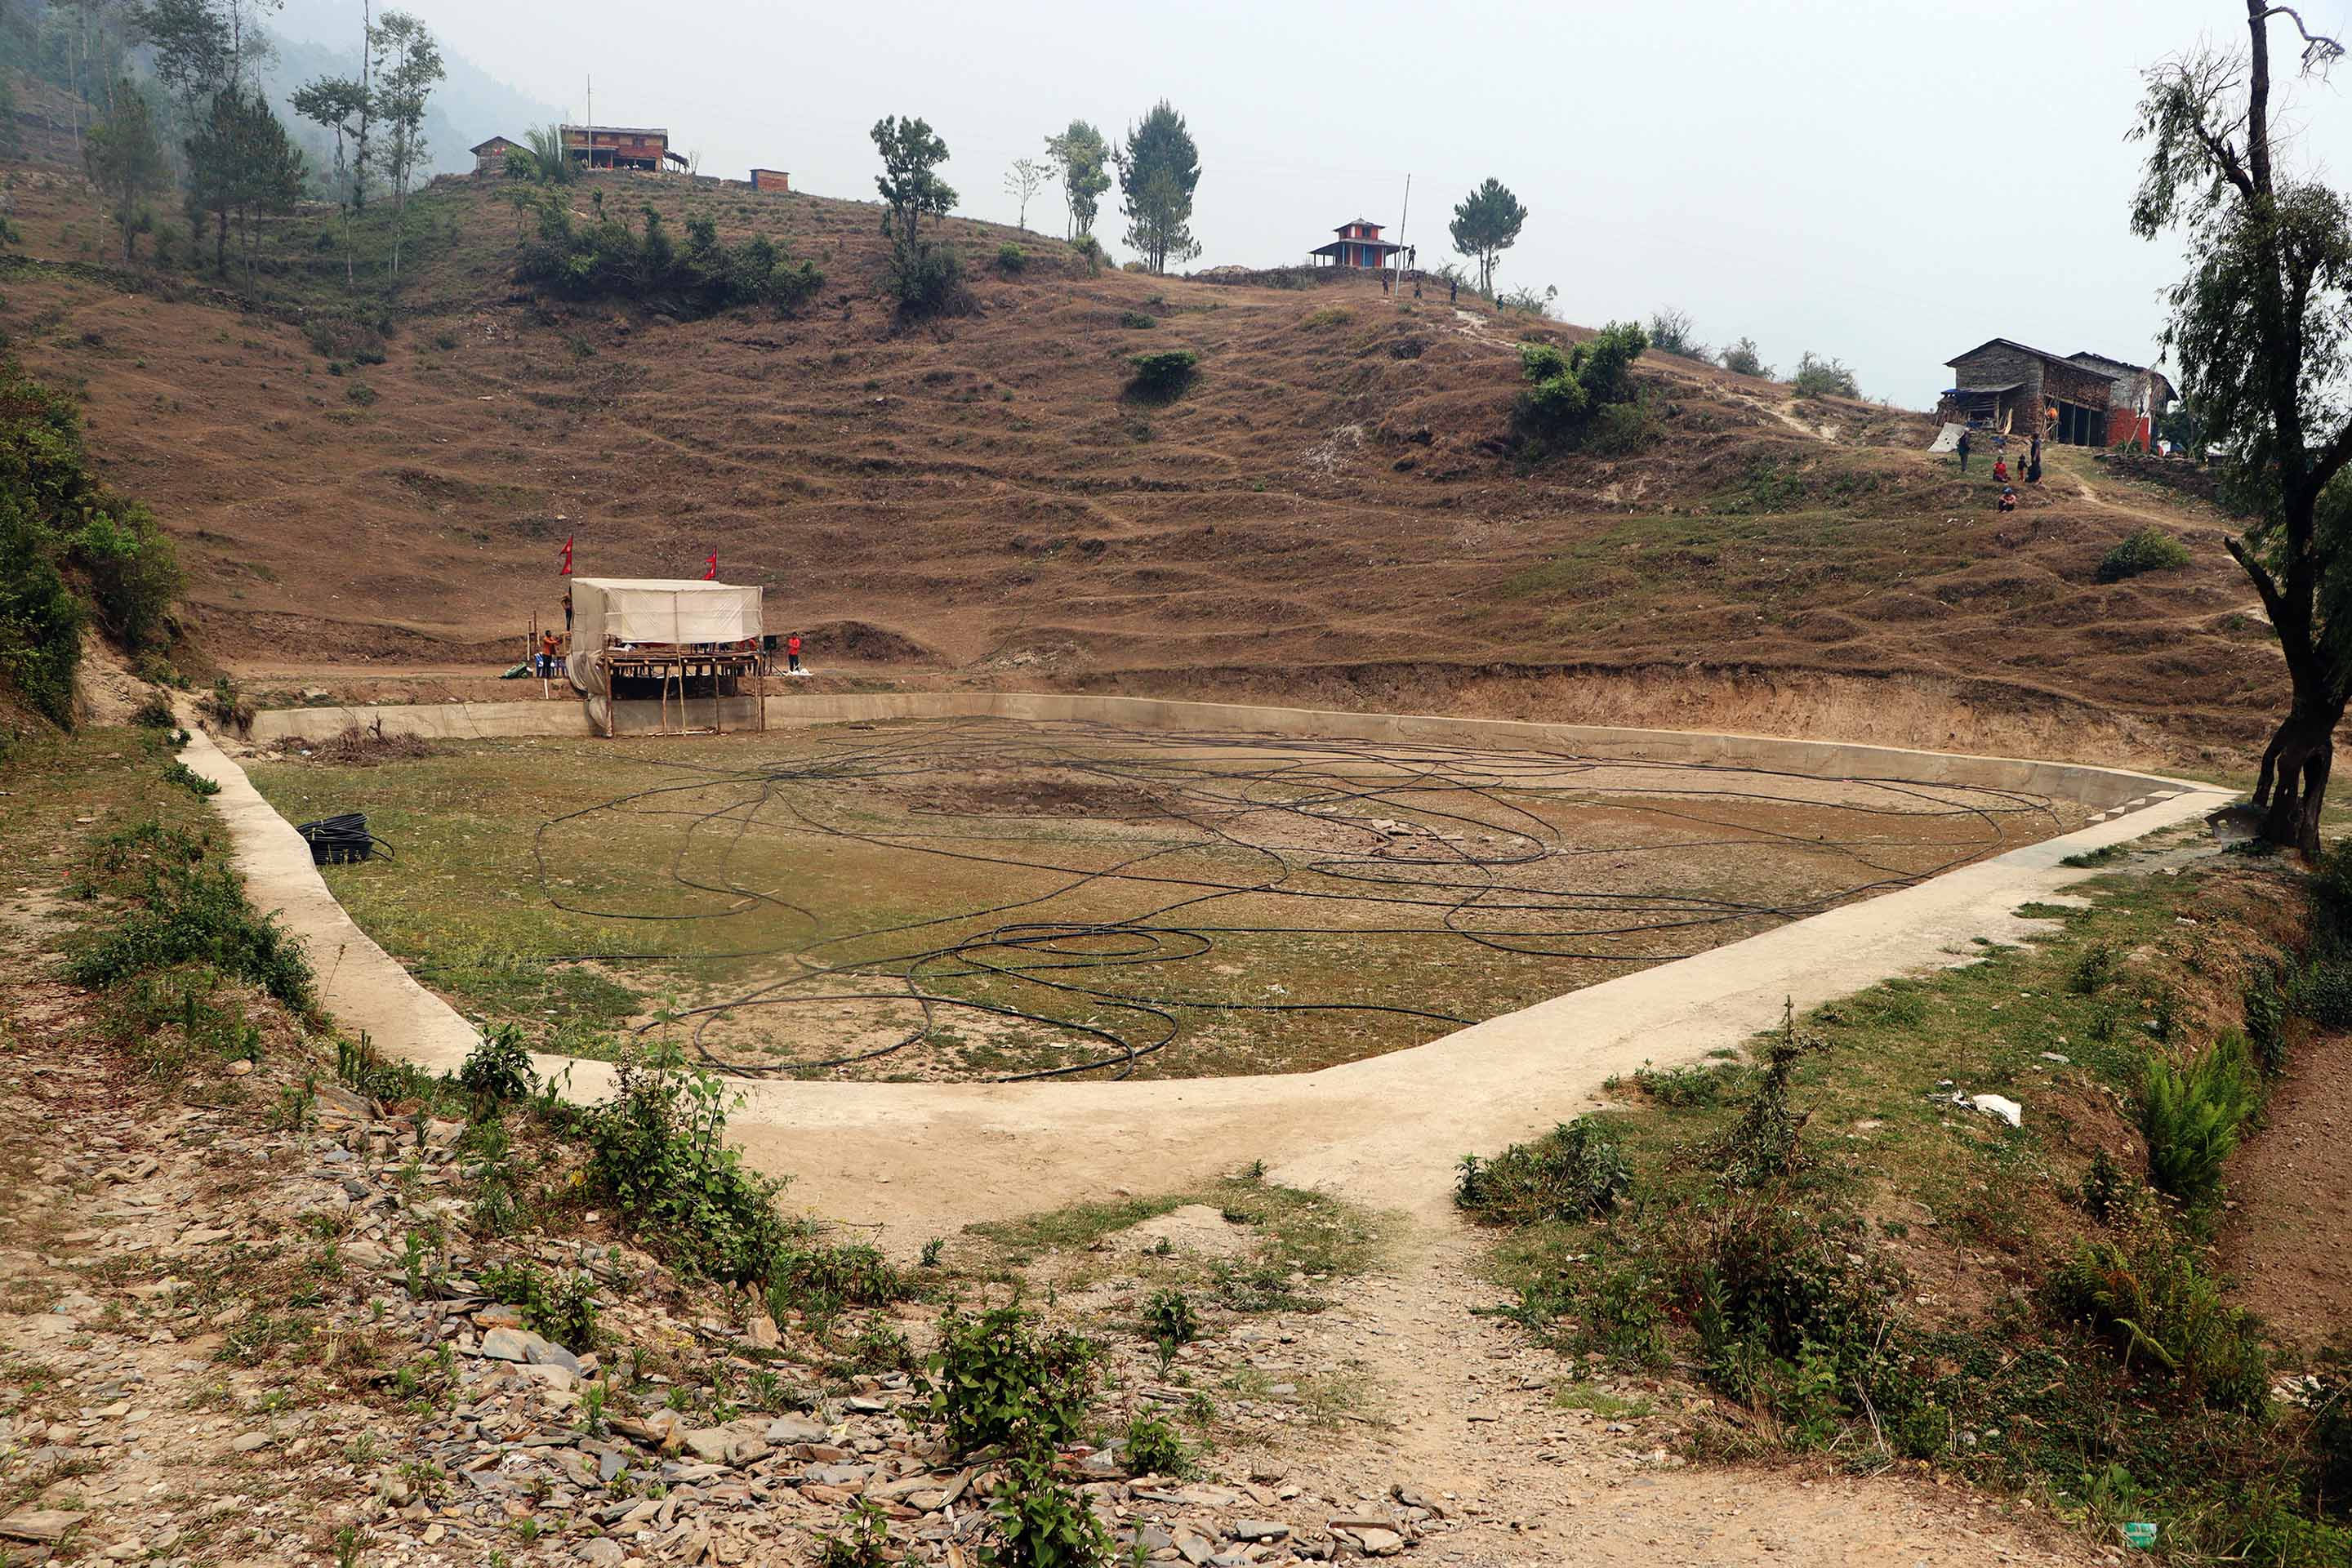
{"x":620,"y":147}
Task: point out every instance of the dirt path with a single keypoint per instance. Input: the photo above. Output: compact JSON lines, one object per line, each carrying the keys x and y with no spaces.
{"x":1460,"y":1408}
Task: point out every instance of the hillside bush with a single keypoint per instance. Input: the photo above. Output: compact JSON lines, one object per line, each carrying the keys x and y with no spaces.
{"x":928,"y":280}
{"x":69,"y":549}
{"x":1818,"y":377}
{"x":2150,"y":549}
{"x":1744,"y":358}
{"x":2192,"y":1117}
{"x":1011,"y":258}
{"x":1672,"y":332}
{"x":197,"y":913}
{"x":1001,"y":1378}
{"x":1573,"y":1172}
{"x":1567,"y":393}
{"x":2164,"y":1314}
{"x":658,"y":1149}
{"x":1136,"y":321}
{"x":1163,"y":375}
{"x":610,"y":259}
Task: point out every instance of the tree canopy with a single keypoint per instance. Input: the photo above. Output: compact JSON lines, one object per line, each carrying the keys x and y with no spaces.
{"x":2262,"y":329}
{"x":125,"y":160}
{"x":1486,"y":224}
{"x":910,"y":182}
{"x":1159,"y":168}
{"x":1083,"y":158}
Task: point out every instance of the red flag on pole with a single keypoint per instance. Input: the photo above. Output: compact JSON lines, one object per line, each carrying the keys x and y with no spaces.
{"x":567,"y":558}
{"x":710,"y":563}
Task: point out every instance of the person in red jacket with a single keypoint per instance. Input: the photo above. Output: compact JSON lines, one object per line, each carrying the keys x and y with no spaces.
{"x":2000,"y":470}
{"x":792,"y":653}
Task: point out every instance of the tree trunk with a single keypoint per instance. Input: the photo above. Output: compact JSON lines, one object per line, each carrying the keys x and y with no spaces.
{"x":220,"y":245}
{"x":2293,"y":790}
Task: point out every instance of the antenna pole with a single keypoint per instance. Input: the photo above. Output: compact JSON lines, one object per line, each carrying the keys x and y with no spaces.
{"x":1401,"y":217}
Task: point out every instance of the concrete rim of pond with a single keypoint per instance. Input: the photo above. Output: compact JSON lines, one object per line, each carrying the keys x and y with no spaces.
{"x":1386,"y":1131}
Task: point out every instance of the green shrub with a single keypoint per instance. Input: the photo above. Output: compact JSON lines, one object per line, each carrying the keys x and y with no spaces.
{"x":1154,"y":1448}
{"x":1042,"y":1523}
{"x":67,"y":544}
{"x":2323,"y":992}
{"x":1328,"y":316}
{"x":197,"y":915}
{"x":928,"y":280}
{"x":188,"y":779}
{"x":1620,"y":429}
{"x":1819,"y":377}
{"x":1566,"y":392}
{"x":1703,"y":1083}
{"x":2164,"y":1314}
{"x":2265,"y":1005}
{"x":999,"y":1378}
{"x":2192,"y":1116}
{"x":2094,"y":968}
{"x":1163,"y":375}
{"x":2149,"y":550}
{"x":862,"y":1539}
{"x":498,"y":1066}
{"x":658,"y":1151}
{"x":1136,"y":321}
{"x":561,"y":1309}
{"x":1766,"y":1143}
{"x":853,"y":1275}
{"x":1573,"y":1172}
{"x":1168,"y":1320}
{"x":155,"y":712}
{"x":225,"y":706}
{"x":1011,"y":258}
{"x":610,"y":259}
{"x":41,"y":619}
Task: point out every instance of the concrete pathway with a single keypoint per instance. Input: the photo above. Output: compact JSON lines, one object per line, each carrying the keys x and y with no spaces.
{"x":918,"y":1160}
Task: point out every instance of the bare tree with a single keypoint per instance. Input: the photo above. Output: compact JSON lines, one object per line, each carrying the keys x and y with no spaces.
{"x":1023,"y":181}
{"x":2262,"y":326}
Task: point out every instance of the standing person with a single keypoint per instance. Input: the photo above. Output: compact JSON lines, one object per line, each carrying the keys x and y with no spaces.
{"x":1454,"y":291}
{"x":547,"y":657}
{"x":792,"y":654}
{"x":567,"y":613}
{"x":1965,"y":450}
{"x":2034,"y":462}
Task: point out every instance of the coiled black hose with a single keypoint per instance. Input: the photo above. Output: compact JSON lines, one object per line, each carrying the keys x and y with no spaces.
{"x":342,"y":840}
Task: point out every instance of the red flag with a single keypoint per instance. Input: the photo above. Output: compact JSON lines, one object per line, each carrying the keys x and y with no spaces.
{"x":712,"y":563}
{"x":567,"y":558}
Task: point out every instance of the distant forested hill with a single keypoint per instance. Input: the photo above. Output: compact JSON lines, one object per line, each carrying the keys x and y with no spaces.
{"x":321,"y":37}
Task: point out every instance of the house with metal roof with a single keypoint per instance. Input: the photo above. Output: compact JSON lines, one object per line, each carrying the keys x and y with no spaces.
{"x":2081,"y":399}
{"x":1360,"y":245}
{"x":620,"y":147}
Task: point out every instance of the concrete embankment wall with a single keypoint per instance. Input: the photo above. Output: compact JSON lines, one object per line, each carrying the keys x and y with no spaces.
{"x":2102,"y":789}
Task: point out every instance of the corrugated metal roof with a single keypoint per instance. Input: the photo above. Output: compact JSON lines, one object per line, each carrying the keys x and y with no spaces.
{"x":622,"y":129}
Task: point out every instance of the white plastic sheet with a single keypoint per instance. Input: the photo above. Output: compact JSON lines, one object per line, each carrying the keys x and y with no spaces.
{"x":676,"y":613}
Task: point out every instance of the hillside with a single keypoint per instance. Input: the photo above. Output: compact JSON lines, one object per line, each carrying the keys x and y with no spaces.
{"x":1331,"y":514}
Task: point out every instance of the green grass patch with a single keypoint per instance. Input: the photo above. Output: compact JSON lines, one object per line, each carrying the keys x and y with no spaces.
{"x":1766,"y":1250}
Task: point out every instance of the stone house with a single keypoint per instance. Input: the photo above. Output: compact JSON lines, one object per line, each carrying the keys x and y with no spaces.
{"x":2078,"y":400}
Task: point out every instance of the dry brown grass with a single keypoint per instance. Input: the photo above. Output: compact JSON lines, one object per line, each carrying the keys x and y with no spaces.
{"x":963,"y":495}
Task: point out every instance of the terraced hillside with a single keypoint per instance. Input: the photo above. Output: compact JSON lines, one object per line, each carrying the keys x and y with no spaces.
{"x":1333,"y":512}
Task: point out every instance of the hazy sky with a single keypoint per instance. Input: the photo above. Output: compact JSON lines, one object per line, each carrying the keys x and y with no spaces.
{"x":1888,"y":180}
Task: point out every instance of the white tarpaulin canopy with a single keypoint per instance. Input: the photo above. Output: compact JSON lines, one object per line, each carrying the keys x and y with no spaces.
{"x":640,"y":610}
